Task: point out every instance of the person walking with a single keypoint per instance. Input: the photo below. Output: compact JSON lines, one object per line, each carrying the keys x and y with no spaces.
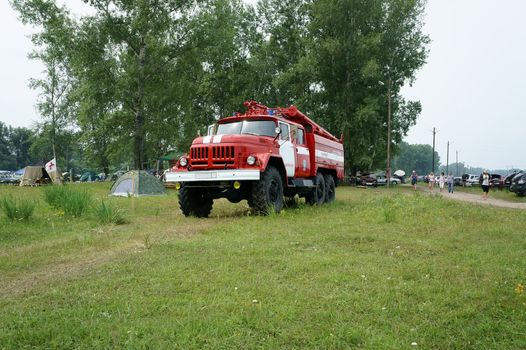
{"x":450,"y":182}
{"x":485,"y":184}
{"x":431,"y":181}
{"x":441,"y":181}
{"x":414,"y":179}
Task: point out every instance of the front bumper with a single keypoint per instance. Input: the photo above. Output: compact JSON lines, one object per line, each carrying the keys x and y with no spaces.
{"x":518,"y":188}
{"x":212,"y":175}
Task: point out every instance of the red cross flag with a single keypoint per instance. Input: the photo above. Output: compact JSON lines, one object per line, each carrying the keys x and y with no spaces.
{"x":51,"y":166}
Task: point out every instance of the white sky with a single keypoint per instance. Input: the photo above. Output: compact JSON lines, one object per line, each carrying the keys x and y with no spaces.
{"x":471,"y":89}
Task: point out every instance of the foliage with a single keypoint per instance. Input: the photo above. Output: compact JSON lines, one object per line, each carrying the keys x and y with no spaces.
{"x":415,"y":157}
{"x":109,"y":214}
{"x":18,"y":209}
{"x":355,"y":45}
{"x":73,"y":202}
{"x":54,"y":195}
{"x":15,"y":147}
{"x":144,"y":77}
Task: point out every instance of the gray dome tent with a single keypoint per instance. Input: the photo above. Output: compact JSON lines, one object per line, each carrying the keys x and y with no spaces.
{"x":137,"y":183}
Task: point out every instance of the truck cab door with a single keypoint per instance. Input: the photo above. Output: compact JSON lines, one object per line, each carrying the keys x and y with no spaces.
{"x":302,"y":154}
{"x":287,"y":149}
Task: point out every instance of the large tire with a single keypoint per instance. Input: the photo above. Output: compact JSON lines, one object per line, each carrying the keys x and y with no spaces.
{"x":317,"y":195}
{"x":267,"y":193}
{"x":330,"y":189}
{"x":195,"y":202}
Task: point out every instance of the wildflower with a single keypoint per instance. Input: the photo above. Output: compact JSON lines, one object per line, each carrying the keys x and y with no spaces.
{"x":414,"y":343}
{"x":519,"y":289}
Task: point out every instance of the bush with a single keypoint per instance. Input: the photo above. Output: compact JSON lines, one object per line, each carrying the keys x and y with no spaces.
{"x":108,"y":214}
{"x":73,"y":202}
{"x":18,"y":209}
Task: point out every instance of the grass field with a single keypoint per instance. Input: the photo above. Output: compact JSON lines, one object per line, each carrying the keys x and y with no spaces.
{"x":378,"y":269}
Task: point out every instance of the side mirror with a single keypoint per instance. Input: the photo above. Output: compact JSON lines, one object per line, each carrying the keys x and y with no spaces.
{"x":277,"y":130}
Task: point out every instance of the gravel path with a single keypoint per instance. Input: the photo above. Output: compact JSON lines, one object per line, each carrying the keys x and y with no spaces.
{"x":477,"y":199}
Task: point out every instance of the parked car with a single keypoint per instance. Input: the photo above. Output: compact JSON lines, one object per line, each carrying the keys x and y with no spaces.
{"x":382,"y":180}
{"x":469,"y":180}
{"x":496,"y":181}
{"x":369,"y":180}
{"x":508,"y":178}
{"x":9,"y":178}
{"x":518,"y":184}
{"x":457,"y":181}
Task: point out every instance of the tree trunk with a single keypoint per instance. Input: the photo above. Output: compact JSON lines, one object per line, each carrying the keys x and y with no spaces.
{"x":139,"y":134}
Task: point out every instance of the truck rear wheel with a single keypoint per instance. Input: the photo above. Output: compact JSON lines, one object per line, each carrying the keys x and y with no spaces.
{"x":267,"y":193}
{"x":330,"y":189}
{"x":195,"y":202}
{"x":317,"y":195}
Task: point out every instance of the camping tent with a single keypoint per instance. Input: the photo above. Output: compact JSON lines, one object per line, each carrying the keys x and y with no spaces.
{"x":89,"y":176}
{"x":137,"y":183}
{"x":37,"y":175}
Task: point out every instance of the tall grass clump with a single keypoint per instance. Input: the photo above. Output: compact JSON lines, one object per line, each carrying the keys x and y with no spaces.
{"x":108,"y":214}
{"x":54,"y":195}
{"x":74,"y":202}
{"x":18,"y":209}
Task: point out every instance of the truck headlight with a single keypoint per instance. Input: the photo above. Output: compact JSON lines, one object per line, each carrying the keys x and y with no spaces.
{"x":183,"y":161}
{"x":251,"y":160}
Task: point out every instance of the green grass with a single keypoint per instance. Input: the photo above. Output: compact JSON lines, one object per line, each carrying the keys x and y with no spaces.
{"x":107,"y":213}
{"x":17,"y":209}
{"x":378,"y":269}
{"x":72,"y":201}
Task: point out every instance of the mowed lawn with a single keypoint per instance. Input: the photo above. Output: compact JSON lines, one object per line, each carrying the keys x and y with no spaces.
{"x":378,"y":269}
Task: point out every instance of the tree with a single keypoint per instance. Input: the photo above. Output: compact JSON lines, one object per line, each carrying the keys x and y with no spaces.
{"x":356,"y":44}
{"x":20,"y":140}
{"x":415,"y":157}
{"x":146,"y":37}
{"x":6,"y":158}
{"x":52,"y":46}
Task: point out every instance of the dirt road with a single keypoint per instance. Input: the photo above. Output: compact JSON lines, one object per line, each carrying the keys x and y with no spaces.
{"x":477,"y":199}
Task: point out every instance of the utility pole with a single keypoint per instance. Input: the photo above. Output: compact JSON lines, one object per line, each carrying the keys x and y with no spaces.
{"x":447,"y":159}
{"x":388,"y":172}
{"x":456,"y":161}
{"x":433,"y":165}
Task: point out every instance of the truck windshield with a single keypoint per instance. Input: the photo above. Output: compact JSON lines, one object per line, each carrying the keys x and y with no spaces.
{"x":250,"y":127}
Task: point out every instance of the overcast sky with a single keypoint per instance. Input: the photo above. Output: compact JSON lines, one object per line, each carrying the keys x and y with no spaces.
{"x":472,"y":89}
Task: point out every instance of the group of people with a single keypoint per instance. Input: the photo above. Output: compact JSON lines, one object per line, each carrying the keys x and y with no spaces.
{"x":450,"y":181}
{"x":442,"y":180}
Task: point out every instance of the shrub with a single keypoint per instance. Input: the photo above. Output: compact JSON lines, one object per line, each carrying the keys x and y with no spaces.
{"x":73,"y":202}
{"x":108,"y":214}
{"x":18,"y":209}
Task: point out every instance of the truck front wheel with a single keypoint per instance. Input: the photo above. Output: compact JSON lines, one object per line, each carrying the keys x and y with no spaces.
{"x":195,"y":202}
{"x":267,"y":193}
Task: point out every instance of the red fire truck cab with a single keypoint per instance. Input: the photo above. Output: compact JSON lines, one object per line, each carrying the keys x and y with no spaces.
{"x":261,"y":156}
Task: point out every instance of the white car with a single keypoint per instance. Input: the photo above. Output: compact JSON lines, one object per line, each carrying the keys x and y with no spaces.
{"x":382,"y":180}
{"x":470,"y":180}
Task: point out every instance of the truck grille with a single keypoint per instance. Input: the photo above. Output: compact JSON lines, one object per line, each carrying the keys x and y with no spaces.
{"x":212,"y":155}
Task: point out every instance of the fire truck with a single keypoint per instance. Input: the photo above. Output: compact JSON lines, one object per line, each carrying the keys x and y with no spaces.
{"x":264,"y":156}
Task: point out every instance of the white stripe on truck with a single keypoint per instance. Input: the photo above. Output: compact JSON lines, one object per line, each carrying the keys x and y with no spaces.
{"x":331,"y":156}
